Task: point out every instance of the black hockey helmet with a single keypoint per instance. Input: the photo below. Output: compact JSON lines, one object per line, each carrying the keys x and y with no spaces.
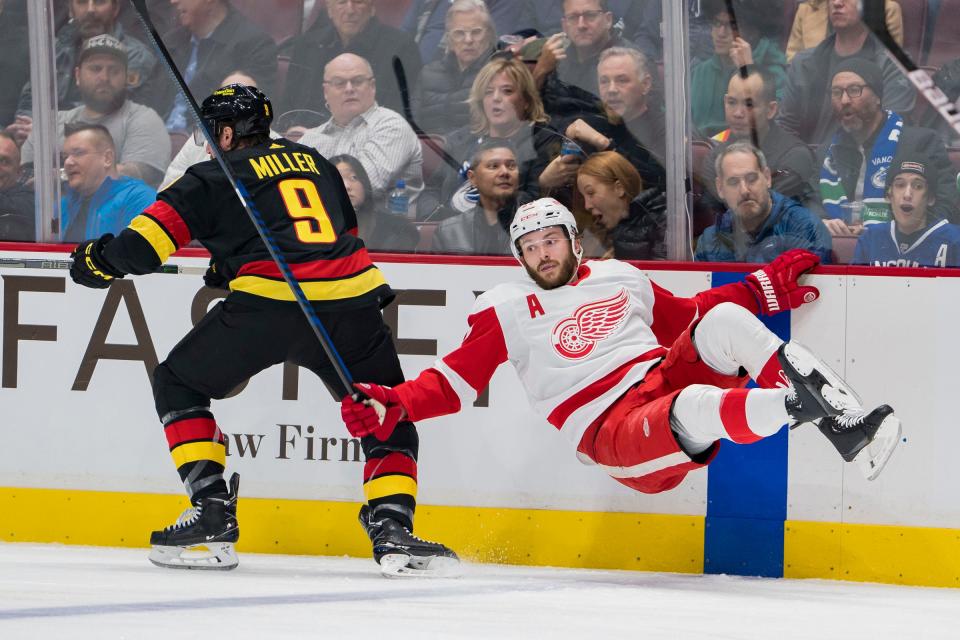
{"x":244,"y":108}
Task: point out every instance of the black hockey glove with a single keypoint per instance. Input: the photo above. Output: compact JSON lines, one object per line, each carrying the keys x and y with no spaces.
{"x":213,"y":278}
{"x":89,"y":267}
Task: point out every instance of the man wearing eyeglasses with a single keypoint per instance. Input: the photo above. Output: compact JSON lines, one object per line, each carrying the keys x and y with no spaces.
{"x":750,"y":106}
{"x":806,"y":109}
{"x":572,"y":56}
{"x":352,"y":28}
{"x":141,"y":142}
{"x":854,"y":167}
{"x":97,"y":199}
{"x":380,"y":138}
{"x":759,"y":224}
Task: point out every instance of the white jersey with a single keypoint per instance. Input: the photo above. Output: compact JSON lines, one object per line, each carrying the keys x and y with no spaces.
{"x":576,"y":348}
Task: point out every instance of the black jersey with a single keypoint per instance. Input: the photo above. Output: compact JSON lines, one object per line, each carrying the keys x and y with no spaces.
{"x":305,"y":206}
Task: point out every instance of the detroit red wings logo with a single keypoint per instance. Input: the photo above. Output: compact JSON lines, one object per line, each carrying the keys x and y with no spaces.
{"x":576,"y":337}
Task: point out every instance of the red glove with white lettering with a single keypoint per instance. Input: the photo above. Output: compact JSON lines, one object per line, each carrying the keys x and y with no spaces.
{"x":374,"y":410}
{"x":776,"y":286}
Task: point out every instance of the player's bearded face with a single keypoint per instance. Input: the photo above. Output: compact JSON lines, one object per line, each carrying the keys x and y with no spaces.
{"x":550,"y":260}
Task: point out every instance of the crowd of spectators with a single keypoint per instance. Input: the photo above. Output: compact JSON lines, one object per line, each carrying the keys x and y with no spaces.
{"x":474,"y":107}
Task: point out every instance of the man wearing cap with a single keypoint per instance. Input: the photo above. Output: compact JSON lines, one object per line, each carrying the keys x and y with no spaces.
{"x":916,"y":237}
{"x":806,"y":109}
{"x":853,"y":173}
{"x":89,"y":19}
{"x":142,"y":143}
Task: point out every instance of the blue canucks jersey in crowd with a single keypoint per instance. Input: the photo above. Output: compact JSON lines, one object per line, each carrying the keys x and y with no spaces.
{"x":938,"y":245}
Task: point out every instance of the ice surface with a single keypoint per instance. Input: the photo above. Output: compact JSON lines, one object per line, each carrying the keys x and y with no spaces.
{"x":53,"y":591}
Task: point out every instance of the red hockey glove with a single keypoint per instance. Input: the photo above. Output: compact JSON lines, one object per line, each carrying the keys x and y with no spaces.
{"x":375,"y":410}
{"x":776,"y":286}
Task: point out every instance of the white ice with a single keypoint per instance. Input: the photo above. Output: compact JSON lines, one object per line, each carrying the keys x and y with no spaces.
{"x":53,"y":591}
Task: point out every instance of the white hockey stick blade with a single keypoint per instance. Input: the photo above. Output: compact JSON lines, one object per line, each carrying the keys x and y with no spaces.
{"x":220,"y":556}
{"x":874,"y":457}
{"x":400,"y":565}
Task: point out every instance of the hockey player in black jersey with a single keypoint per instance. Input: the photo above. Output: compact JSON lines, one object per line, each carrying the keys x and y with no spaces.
{"x":305,"y":206}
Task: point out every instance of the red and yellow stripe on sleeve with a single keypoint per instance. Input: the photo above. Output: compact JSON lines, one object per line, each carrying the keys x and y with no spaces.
{"x":163,"y":228}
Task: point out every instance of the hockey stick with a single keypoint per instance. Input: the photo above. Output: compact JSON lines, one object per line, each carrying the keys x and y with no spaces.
{"x":408,"y":114}
{"x":248,"y":205}
{"x":735,"y":32}
{"x":874,"y":16}
{"x":45,"y":263}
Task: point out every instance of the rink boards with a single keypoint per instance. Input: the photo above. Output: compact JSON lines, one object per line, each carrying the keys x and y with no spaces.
{"x":85,"y":461}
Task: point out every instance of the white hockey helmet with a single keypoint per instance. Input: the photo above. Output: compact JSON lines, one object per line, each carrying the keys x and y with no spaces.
{"x":540,"y":214}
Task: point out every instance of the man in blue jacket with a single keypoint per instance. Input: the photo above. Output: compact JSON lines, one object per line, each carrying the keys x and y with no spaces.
{"x":759,"y":224}
{"x":97,"y":199}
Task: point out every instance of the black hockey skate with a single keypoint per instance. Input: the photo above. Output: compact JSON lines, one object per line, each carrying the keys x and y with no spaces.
{"x":402,"y":554}
{"x":816,"y":391}
{"x":203,"y":536}
{"x":867,"y":438}
{"x":820,"y":396}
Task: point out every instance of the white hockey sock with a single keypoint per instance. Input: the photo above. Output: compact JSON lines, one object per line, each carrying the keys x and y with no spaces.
{"x":729,"y":337}
{"x":703,"y":414}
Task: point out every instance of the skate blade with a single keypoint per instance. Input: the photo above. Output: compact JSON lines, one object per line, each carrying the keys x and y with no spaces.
{"x":400,"y":565}
{"x":219,"y":556}
{"x":874,"y":457}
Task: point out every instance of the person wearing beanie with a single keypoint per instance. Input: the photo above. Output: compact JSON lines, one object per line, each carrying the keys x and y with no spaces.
{"x":916,"y":237}
{"x":806,"y":109}
{"x":855,"y":164}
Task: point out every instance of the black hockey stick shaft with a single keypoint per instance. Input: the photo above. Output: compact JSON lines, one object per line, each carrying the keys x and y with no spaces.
{"x":408,"y":114}
{"x":874,"y":16}
{"x":735,"y":32}
{"x":255,"y":217}
{"x":49,"y":263}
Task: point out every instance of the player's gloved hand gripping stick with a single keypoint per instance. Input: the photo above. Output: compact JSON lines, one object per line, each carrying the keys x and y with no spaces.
{"x":376,"y":410}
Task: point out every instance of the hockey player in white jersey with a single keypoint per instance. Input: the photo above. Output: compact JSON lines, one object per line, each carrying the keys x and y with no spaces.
{"x":643,"y":383}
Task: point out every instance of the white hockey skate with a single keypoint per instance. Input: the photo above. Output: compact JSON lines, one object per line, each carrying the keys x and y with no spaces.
{"x":401,"y":554}
{"x":203,"y":537}
{"x":822,"y":397}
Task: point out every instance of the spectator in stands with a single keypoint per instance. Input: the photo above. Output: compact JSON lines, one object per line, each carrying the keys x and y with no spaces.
{"x":916,"y":237}
{"x":17,"y":221}
{"x":378,"y":137}
{"x":380,"y":231}
{"x":15,"y":61}
{"x":634,"y":220}
{"x":855,"y":163}
{"x":750,"y":106}
{"x":806,"y":110}
{"x":636,"y":20}
{"x":426,"y":21}
{"x":211,"y":39}
{"x":441,"y":104}
{"x":504,"y":104}
{"x":191,"y":153}
{"x":570,"y":58}
{"x":629,"y":124}
{"x":90,"y":18}
{"x":759,"y":223}
{"x":484,"y":229}
{"x":97,"y":199}
{"x":352,"y":29}
{"x":810,"y":25}
{"x":735,"y":45}
{"x":141,"y":142}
